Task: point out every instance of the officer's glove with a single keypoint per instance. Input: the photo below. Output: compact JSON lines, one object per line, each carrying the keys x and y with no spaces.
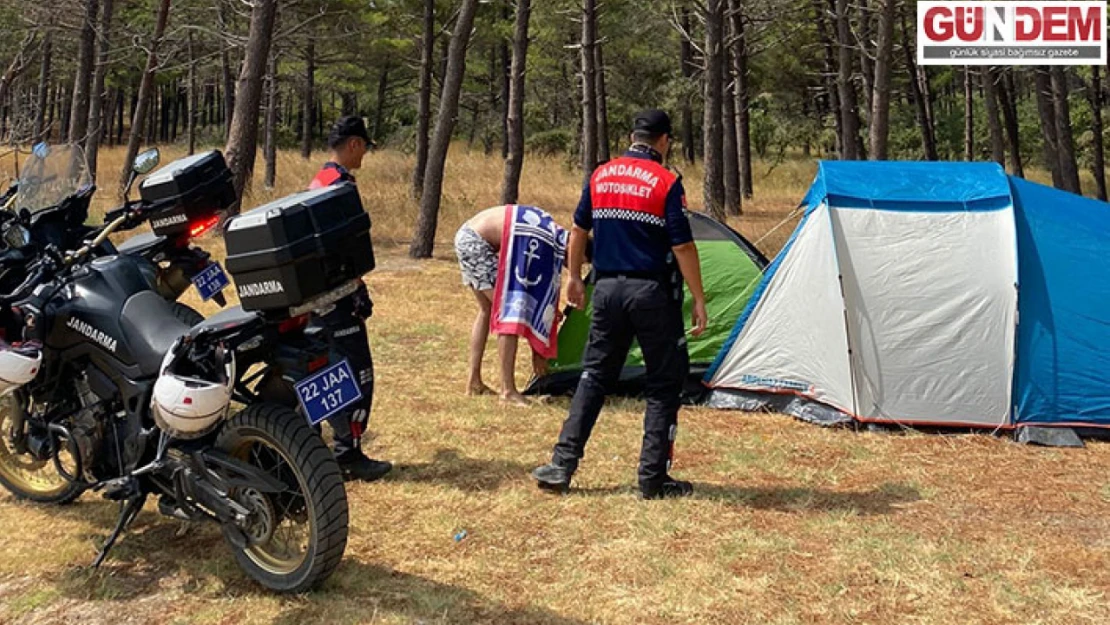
{"x":363,"y":305}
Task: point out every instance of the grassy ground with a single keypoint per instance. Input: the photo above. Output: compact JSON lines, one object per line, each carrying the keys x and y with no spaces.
{"x":791,"y":523}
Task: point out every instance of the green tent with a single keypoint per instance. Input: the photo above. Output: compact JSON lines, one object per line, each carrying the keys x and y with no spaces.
{"x":731,"y":269}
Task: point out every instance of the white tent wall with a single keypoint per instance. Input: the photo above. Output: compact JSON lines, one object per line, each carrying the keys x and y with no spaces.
{"x":931,"y":300}
{"x":794,"y":340}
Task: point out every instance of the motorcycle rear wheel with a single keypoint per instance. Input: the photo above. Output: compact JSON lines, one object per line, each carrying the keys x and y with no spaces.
{"x":26,"y":477}
{"x":298,"y":536}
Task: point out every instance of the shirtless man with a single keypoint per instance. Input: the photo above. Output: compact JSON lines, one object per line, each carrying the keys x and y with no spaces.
{"x":478,"y":246}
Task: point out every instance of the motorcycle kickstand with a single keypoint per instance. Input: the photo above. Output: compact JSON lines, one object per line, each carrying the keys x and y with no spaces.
{"x":128,"y":514}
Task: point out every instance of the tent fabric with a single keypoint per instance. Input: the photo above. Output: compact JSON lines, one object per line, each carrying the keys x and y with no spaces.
{"x":897,"y":300}
{"x":731,"y":269}
{"x":1063,"y":364}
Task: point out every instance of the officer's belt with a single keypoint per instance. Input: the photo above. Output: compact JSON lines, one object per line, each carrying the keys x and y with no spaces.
{"x":663,"y":277}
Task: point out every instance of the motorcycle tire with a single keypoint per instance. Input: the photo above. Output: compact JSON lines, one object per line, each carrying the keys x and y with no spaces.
{"x":186,"y":314}
{"x":279,"y":441}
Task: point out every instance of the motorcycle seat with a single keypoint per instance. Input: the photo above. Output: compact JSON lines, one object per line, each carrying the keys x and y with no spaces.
{"x":139,"y":244}
{"x":226,"y":319}
{"x":150,"y":329}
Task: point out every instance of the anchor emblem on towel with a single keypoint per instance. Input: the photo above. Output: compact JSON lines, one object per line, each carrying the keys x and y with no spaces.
{"x":531,"y":255}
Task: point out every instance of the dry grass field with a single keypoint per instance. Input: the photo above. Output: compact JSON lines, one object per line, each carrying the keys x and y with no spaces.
{"x":790,"y":524}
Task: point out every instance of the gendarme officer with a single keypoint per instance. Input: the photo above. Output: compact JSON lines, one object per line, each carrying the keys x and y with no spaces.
{"x":635,"y":207}
{"x":345,"y":323}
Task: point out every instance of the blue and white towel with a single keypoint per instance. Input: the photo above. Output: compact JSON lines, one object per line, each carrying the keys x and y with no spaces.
{"x":526,"y":298}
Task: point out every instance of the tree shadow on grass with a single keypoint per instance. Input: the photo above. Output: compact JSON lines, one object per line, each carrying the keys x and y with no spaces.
{"x":882,"y":500}
{"x":448,"y":466}
{"x":152,"y":559}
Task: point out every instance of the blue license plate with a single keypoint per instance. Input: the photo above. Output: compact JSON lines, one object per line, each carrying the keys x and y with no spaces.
{"x":211,"y":281}
{"x":328,"y":391}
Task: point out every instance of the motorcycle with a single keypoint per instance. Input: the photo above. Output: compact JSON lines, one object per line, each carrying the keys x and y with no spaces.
{"x":53,"y":196}
{"x":110,"y":392}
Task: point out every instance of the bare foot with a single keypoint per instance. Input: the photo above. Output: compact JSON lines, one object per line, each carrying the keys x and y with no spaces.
{"x":479,"y":389}
{"x":516,"y":399}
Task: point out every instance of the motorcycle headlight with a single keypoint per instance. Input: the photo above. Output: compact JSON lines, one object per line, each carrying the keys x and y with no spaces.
{"x":16,"y":236}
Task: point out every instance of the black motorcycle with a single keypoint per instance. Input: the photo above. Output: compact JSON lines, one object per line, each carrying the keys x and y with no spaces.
{"x":89,"y":419}
{"x":53,"y":199}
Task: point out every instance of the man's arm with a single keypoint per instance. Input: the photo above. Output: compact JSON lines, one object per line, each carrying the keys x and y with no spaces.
{"x":576,"y":257}
{"x":576,"y":249}
{"x":690,"y":266}
{"x":686,"y":252}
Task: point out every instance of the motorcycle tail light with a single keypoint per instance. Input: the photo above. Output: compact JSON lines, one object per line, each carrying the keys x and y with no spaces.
{"x":318,"y":363}
{"x":200,"y":227}
{"x":293,"y":324}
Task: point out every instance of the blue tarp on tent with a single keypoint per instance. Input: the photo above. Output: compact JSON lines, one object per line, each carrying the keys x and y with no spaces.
{"x":1063,"y":360}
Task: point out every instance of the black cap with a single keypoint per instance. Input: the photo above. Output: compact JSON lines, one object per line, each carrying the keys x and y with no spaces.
{"x":347,"y":127}
{"x":652,"y":121}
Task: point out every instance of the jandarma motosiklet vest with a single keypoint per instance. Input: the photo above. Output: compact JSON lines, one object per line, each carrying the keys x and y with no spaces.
{"x":331,"y":173}
{"x":630,"y":188}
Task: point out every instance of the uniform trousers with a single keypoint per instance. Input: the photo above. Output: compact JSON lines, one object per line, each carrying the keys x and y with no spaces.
{"x":627,"y":308}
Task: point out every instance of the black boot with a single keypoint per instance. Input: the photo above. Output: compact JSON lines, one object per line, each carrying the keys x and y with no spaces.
{"x":669,"y":487}
{"x":553,"y":477}
{"x":354,"y":465}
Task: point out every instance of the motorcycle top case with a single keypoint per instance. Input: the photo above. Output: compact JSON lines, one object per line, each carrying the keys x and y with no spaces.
{"x":188,"y":190}
{"x":289,"y":251}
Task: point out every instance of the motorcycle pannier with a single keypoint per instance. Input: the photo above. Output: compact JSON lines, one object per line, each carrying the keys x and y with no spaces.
{"x":187,"y":191}
{"x":287,"y":252}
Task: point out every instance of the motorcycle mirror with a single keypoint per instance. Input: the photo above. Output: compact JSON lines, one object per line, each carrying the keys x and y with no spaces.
{"x":147,"y":161}
{"x":16,"y":236}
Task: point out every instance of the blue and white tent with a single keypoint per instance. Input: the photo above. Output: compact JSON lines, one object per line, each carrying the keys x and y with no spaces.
{"x":931,"y":293}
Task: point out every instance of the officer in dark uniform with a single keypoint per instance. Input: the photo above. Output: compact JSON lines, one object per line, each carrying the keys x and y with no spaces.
{"x":345,"y":323}
{"x":635,"y":207}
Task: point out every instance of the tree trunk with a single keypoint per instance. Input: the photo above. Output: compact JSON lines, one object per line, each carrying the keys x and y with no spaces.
{"x":589,"y":87}
{"x":919,"y":83}
{"x":193,"y":98}
{"x":379,"y":108}
{"x":730,"y":161}
{"x":686,"y":58}
{"x":994,"y":123}
{"x":308,"y":117}
{"x":146,"y":88}
{"x":1098,"y":162}
{"x":269,"y":149}
{"x":830,"y":74}
{"x":510,"y":186}
{"x":1046,"y":110}
{"x":494,"y":92}
{"x":879,"y":130}
{"x":969,"y":115}
{"x":712,"y":133}
{"x":866,"y":64}
{"x":1069,"y":168}
{"x":98,"y":121}
{"x":424,"y":105}
{"x":849,"y":106}
{"x":86,"y":58}
{"x":65,"y":105}
{"x":1006,"y":98}
{"x":225,"y":73}
{"x":40,"y":128}
{"x":120,"y":117}
{"x":740,"y":90}
{"x":16,"y":67}
{"x":504,"y":76}
{"x":602,"y":106}
{"x":242,"y":143}
{"x":423,"y":241}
